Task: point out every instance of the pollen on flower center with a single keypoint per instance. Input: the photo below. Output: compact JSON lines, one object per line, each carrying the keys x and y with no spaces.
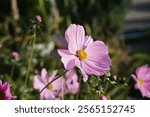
{"x":140,"y":81}
{"x":81,"y":54}
{"x":50,"y":86}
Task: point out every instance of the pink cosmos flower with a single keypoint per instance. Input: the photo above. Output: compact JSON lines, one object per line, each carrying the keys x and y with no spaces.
{"x":53,"y":90}
{"x":15,"y":55}
{"x":5,"y":93}
{"x":142,"y":78}
{"x":72,"y":84}
{"x":89,"y":56}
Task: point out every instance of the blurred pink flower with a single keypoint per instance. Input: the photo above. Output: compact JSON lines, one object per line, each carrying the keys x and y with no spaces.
{"x":53,"y":90}
{"x":72,"y":84}
{"x":103,"y":97}
{"x":114,"y":77}
{"x":1,"y":45}
{"x":142,"y":78}
{"x":38,"y":18}
{"x":90,"y":57}
{"x":15,"y":55}
{"x":5,"y":93}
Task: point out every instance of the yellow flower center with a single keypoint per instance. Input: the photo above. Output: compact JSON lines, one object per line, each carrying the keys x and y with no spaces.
{"x":140,"y":81}
{"x":82,"y":55}
{"x":50,"y":86}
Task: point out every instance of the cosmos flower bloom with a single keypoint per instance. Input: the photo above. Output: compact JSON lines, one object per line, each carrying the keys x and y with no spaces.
{"x":91,"y":57}
{"x":5,"y":93}
{"x":71,"y":81}
{"x":15,"y":55}
{"x":142,"y":78}
{"x":53,"y":90}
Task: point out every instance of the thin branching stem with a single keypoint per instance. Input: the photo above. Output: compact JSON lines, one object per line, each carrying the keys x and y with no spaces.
{"x":31,"y":55}
{"x":53,"y":80}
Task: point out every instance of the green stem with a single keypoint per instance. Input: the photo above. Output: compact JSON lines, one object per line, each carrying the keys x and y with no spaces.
{"x":12,"y":71}
{"x":31,"y":56}
{"x":106,"y":86}
{"x":77,"y":95}
{"x":53,"y":80}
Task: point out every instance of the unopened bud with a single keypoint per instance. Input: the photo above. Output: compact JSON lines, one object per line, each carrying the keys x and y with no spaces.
{"x":38,"y":18}
{"x":103,"y":97}
{"x":15,"y":55}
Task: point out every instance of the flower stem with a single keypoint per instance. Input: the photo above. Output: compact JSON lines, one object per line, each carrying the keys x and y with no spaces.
{"x":12,"y":71}
{"x":53,"y":80}
{"x":106,"y":86}
{"x":31,"y":55}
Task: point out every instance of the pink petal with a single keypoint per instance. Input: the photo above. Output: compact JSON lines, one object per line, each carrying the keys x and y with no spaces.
{"x":146,"y":84}
{"x":141,"y":72}
{"x":49,"y":95}
{"x":52,"y":76}
{"x":71,"y":74}
{"x":98,"y":61}
{"x":144,"y":91}
{"x":58,"y":84}
{"x":43,"y":73}
{"x":68,"y":59}
{"x":90,"y":68}
{"x":88,"y":40}
{"x":6,"y":86}
{"x":137,"y":86}
{"x":74,"y":87}
{"x":96,"y":48}
{"x":38,"y":83}
{"x":147,"y":76}
{"x":71,"y":82}
{"x":96,"y":67}
{"x":144,"y":88}
{"x":42,"y":94}
{"x":85,"y":77}
{"x":103,"y":97}
{"x":134,"y":77}
{"x":78,"y":64}
{"x":75,"y":36}
{"x":0,"y":82}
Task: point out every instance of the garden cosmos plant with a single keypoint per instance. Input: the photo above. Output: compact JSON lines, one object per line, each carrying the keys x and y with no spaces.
{"x":142,"y":78}
{"x":91,"y":57}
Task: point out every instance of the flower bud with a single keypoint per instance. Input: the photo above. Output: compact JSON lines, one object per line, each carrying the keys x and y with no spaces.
{"x":103,"y":97}
{"x":114,"y":77}
{"x":15,"y":55}
{"x":38,"y":18}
